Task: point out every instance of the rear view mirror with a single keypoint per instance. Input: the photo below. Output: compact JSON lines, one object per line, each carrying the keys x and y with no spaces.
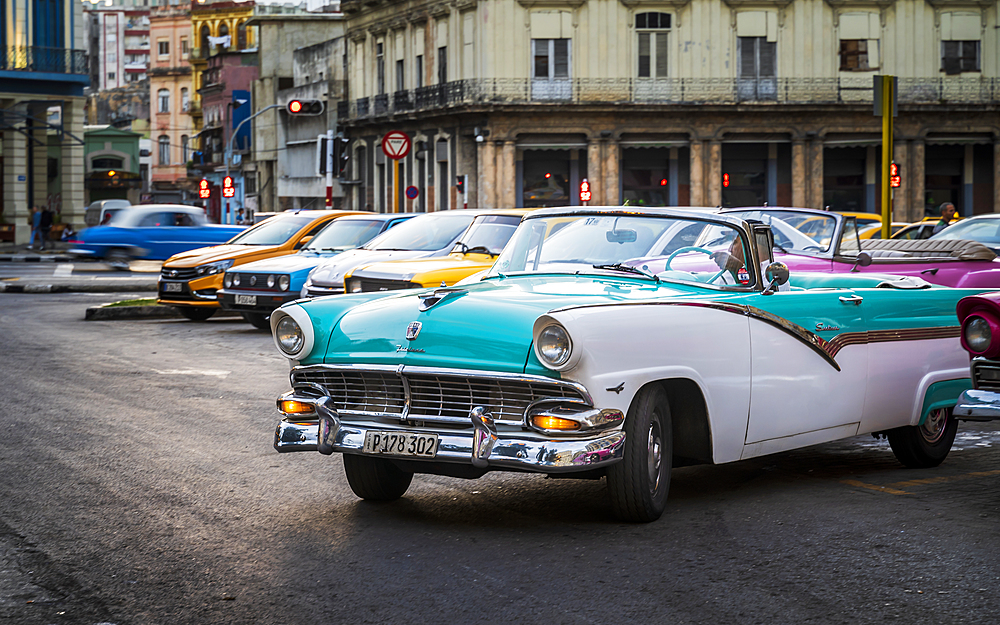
{"x":622,"y":236}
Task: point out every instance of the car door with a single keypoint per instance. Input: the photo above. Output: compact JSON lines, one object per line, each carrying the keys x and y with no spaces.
{"x":809,"y":368}
{"x":153,"y":236}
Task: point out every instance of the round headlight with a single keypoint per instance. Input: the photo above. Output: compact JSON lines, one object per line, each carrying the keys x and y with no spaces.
{"x":227,"y":281}
{"x":284,"y":282}
{"x":978,"y":334}
{"x":236,"y":279}
{"x":270,"y":282}
{"x":253,"y":280}
{"x":554,"y":347}
{"x":289,"y":335}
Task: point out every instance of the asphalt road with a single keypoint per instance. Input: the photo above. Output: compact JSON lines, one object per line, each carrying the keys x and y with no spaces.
{"x":138,"y":485}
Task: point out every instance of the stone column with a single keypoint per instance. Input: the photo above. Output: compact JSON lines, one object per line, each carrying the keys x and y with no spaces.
{"x":900,"y":195}
{"x":487,"y":175}
{"x":594,"y":173}
{"x":40,"y":156}
{"x":714,"y":173}
{"x":72,"y":158}
{"x":15,"y":185}
{"x":815,"y":166}
{"x":612,"y":173}
{"x":508,"y":188}
{"x":799,"y":178}
{"x":697,"y":173}
{"x":918,"y":161}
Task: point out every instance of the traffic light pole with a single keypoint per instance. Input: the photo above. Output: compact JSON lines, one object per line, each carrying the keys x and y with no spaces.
{"x":229,"y":151}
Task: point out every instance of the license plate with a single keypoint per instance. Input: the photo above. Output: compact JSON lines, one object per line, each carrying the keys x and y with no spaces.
{"x":401,"y":444}
{"x":246,"y":300}
{"x":172,"y":287}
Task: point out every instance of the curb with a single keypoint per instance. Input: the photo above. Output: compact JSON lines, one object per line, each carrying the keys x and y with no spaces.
{"x":34,"y":258}
{"x":103,"y":313}
{"x":13,"y":287}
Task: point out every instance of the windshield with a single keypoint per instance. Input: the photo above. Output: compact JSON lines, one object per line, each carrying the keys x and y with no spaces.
{"x":426,"y":233}
{"x":794,"y":231}
{"x":986,"y":231}
{"x":274,"y":231}
{"x":488,"y":234}
{"x":653,"y":248}
{"x":345,"y":234}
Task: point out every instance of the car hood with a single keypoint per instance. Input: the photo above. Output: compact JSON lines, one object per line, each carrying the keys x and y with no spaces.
{"x":429,"y":271}
{"x":485,"y":326}
{"x":289,"y":263}
{"x":331,"y":272}
{"x":239,"y":253}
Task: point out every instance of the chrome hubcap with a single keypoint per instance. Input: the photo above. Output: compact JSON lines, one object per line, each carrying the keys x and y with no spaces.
{"x":654,"y":454}
{"x":934,"y":425}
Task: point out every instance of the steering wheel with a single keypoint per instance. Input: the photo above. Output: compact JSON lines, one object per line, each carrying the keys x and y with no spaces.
{"x":689,"y":248}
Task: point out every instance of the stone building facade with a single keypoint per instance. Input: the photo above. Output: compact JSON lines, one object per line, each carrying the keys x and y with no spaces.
{"x":673,"y":102}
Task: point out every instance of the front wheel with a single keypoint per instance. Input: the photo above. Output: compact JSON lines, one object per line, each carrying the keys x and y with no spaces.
{"x":375,"y":479}
{"x":118,"y":259}
{"x":927,"y":445}
{"x":638,"y":485}
{"x":195,"y":313}
{"x":258,"y":320}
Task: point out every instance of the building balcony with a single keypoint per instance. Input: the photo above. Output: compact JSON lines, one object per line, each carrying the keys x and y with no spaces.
{"x":170,"y":71}
{"x":945,"y":90}
{"x":47,"y":60}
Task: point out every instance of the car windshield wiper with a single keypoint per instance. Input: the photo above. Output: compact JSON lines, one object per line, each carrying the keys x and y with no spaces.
{"x":629,"y":269}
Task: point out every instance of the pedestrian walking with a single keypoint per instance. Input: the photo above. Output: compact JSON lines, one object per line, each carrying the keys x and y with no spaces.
{"x":45,"y":224}
{"x":36,"y":227}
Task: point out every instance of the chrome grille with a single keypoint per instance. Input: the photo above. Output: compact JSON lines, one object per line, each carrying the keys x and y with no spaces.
{"x":423,"y":394}
{"x":182,"y":273}
{"x":986,"y":375}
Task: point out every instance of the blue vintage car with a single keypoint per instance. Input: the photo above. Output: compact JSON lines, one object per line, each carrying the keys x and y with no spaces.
{"x":571,"y":357}
{"x":257,"y":288}
{"x":150,"y":231}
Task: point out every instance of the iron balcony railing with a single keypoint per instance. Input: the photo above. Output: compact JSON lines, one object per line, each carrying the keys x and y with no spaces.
{"x":37,"y":59}
{"x":951,"y":90}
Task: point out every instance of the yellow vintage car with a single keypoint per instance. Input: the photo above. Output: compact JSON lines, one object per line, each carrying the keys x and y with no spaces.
{"x":874,"y":231}
{"x":474,"y":251}
{"x":189,"y":281}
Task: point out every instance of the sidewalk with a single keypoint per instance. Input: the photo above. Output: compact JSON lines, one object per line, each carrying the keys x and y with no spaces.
{"x":55,"y":251}
{"x":143,"y":276}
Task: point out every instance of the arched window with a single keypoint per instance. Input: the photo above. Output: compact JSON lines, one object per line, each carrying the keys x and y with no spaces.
{"x":185,"y":152}
{"x":205,"y":34}
{"x":164,"y":144}
{"x":241,"y":35}
{"x":163,"y":99}
{"x":652,"y":30}
{"x":106,"y":162}
{"x":184,"y":99}
{"x":224,"y":32}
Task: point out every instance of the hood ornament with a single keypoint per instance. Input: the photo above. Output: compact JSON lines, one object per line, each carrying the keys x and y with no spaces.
{"x":412,"y":330}
{"x":427,"y":300}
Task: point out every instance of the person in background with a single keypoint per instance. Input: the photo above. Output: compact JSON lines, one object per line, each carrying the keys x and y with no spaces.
{"x":46,"y":225}
{"x":36,"y":226}
{"x":948,"y":214}
{"x":68,"y":233}
{"x":241,"y":219}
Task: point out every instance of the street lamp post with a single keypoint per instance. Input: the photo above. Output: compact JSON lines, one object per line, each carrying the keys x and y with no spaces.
{"x":229,"y":149}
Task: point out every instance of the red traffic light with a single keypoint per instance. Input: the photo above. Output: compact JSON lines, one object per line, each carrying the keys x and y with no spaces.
{"x":725,"y":180}
{"x":305,"y":107}
{"x":663,"y":182}
{"x":227,"y":187}
{"x":204,"y":189}
{"x":585,"y":193}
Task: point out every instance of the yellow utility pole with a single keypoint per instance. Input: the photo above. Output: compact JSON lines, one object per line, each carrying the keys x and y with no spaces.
{"x":885,"y":106}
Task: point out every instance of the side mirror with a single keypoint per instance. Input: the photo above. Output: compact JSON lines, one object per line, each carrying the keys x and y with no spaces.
{"x":302,"y":242}
{"x":776,"y":275}
{"x":863,"y":260}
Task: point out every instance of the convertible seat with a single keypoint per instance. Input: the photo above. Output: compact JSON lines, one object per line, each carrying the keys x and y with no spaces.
{"x":955,"y":249}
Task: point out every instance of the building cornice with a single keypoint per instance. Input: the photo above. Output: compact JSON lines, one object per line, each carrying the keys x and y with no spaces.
{"x":638,"y":4}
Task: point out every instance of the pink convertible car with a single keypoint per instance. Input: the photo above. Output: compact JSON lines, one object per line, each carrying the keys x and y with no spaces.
{"x":815,"y":240}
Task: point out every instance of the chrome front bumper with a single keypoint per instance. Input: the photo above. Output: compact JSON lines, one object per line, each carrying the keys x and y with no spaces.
{"x":976,"y":405}
{"x":482,"y":447}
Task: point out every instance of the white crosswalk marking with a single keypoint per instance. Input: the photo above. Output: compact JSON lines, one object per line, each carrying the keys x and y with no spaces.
{"x":63,"y":270}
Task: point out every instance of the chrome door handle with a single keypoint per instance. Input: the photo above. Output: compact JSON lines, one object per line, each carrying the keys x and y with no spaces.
{"x":854,"y":299}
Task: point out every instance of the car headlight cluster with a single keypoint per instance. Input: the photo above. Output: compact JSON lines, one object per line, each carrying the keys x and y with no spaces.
{"x":981,"y":334}
{"x":289,"y":336}
{"x":553,"y":346}
{"x":292,"y":331}
{"x":354,"y":285}
{"x":211,"y":268}
{"x":282,"y":281}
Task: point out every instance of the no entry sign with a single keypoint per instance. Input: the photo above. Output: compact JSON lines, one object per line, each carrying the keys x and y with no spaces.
{"x":396,"y":144}
{"x":412,"y":192}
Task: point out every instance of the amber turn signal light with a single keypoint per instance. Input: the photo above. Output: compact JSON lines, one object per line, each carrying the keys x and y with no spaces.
{"x":546,"y":422}
{"x":291,"y":406}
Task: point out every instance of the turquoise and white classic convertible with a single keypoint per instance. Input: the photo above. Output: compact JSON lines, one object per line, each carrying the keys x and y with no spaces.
{"x":571,"y":357}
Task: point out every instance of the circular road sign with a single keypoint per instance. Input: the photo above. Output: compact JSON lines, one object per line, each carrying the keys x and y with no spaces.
{"x":396,"y":144}
{"x":412,"y":192}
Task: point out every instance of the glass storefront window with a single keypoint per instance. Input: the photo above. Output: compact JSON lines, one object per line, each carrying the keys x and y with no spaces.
{"x":546,"y":178}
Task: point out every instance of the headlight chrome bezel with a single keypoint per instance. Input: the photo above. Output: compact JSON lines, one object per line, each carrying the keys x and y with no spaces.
{"x":981,"y":334}
{"x":298,"y":316}
{"x":546,"y":334}
{"x":284,"y":282}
